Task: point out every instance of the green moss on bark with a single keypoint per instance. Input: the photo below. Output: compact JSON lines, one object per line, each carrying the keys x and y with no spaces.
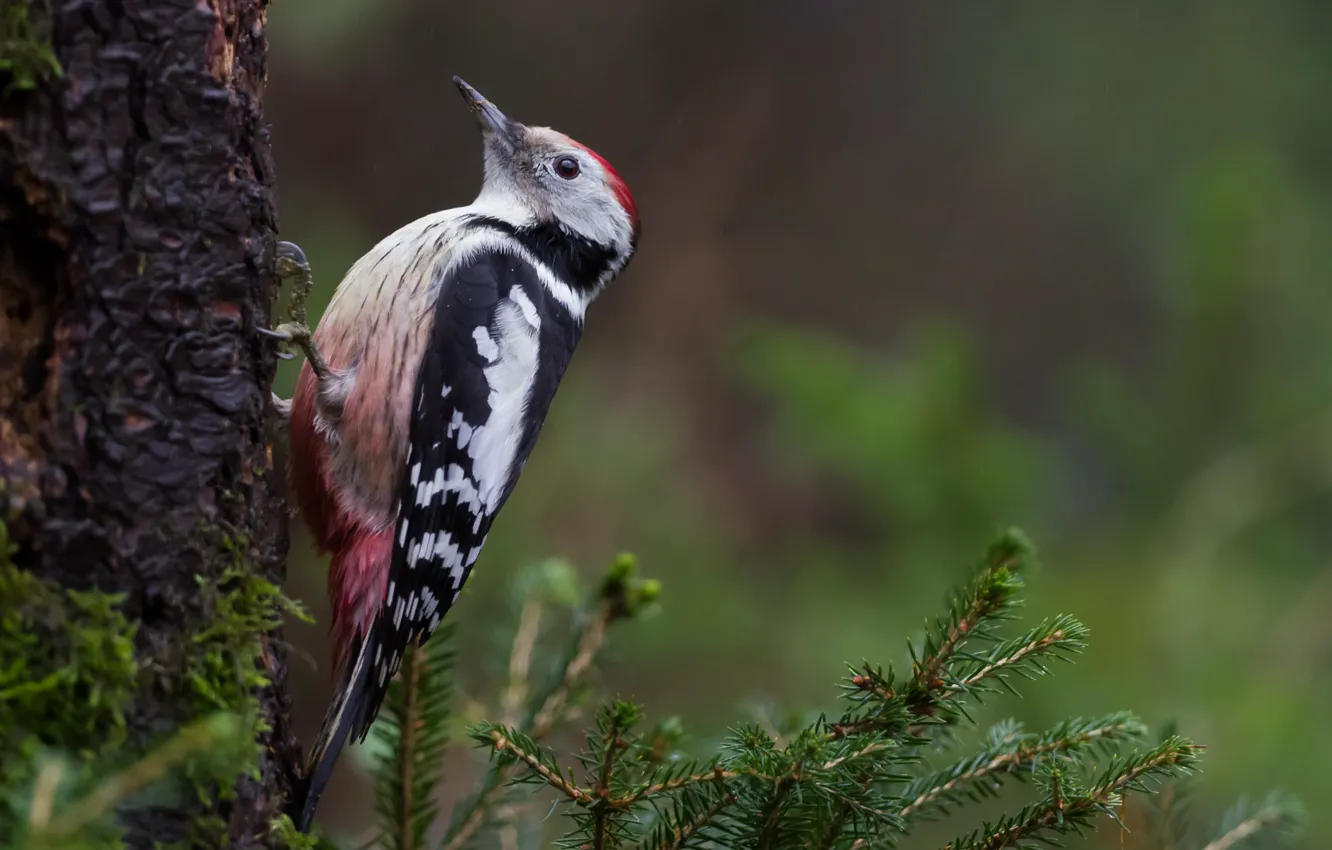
{"x":26,"y":57}
{"x":67,"y":674}
{"x":226,"y":665}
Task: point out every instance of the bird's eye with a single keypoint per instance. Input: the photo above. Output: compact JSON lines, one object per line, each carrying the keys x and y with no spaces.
{"x":567,"y":167}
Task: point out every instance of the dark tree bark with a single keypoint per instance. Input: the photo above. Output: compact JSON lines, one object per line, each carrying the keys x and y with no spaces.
{"x":137,"y":228}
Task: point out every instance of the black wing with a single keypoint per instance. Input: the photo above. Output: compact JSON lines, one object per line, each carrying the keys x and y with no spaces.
{"x":450,"y":492}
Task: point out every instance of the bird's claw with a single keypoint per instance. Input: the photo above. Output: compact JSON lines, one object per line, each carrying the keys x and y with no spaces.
{"x":291,"y":260}
{"x":293,"y":332}
{"x":297,"y":333}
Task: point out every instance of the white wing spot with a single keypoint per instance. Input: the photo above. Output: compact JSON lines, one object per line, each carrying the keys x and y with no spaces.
{"x":416,"y":473}
{"x":392,"y":587}
{"x":444,"y":393}
{"x":525,"y":305}
{"x":509,"y":381}
{"x":485,"y":346}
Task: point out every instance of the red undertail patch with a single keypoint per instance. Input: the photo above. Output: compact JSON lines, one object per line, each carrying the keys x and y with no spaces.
{"x":358,"y":567}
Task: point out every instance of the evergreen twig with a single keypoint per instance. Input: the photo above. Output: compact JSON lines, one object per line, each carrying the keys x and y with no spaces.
{"x":505,"y":744}
{"x":1008,"y":753}
{"x":679,"y":836}
{"x":473,"y":817}
{"x":990,"y":594}
{"x":520,"y":662}
{"x":1023,"y":656}
{"x":1278,"y":815}
{"x":1063,"y":812}
{"x":407,"y":746}
{"x":770,"y":815}
{"x":414,"y":728}
{"x":621,"y":595}
{"x":824,"y":783}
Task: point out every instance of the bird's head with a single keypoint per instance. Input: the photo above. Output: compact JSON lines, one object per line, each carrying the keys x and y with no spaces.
{"x":536,"y":175}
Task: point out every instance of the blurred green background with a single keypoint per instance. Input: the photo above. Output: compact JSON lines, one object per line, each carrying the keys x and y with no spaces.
{"x":907,"y":274}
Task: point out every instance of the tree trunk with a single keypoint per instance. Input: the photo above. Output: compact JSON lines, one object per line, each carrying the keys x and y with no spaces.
{"x":137,"y":229}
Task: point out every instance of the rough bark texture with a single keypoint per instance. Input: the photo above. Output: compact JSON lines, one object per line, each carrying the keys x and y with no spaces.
{"x":137,"y":228}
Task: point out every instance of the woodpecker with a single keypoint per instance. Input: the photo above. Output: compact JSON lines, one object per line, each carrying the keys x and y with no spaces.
{"x":425,"y":386}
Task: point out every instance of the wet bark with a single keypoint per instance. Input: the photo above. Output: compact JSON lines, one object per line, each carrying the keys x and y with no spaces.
{"x":137,"y":228}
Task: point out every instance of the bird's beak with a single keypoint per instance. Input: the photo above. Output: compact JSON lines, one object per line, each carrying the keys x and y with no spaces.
{"x":493,"y":122}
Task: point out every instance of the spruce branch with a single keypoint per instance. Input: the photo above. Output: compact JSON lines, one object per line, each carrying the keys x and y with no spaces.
{"x":1023,"y":656}
{"x":590,"y":640}
{"x":1278,"y":816}
{"x":622,"y":595}
{"x":834,"y":828}
{"x":771,"y":813}
{"x":606,"y":745}
{"x":715,"y":773}
{"x":1063,"y":812}
{"x":520,"y":662}
{"x":1008,"y":753}
{"x":819,"y":782}
{"x":931,"y":694}
{"x":667,"y":786}
{"x":855,"y":755}
{"x":538,"y":759}
{"x":989,"y":596}
{"x":678,"y":836}
{"x":413,"y":729}
{"x":406,"y":746}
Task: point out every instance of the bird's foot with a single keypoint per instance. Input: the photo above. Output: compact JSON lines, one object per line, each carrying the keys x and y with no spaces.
{"x":299,"y":335}
{"x":291,"y":264}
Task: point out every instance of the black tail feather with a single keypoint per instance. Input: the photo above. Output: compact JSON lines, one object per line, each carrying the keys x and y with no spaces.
{"x":345,"y":716}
